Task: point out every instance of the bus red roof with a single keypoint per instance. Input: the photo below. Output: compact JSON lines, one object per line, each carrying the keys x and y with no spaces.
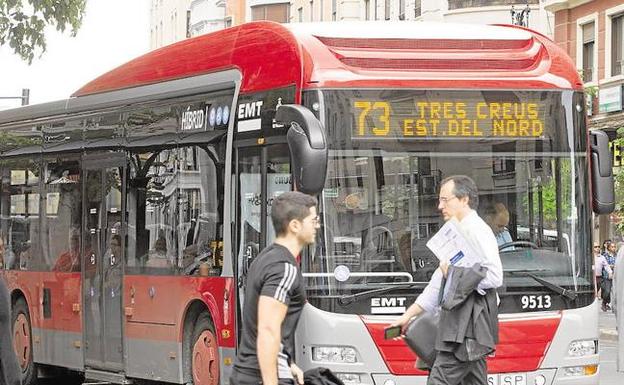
{"x":361,"y":54}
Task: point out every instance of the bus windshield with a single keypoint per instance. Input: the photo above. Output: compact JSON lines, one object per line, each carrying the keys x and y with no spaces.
{"x":389,"y":151}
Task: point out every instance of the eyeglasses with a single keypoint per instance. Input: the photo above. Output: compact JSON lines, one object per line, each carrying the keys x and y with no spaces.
{"x":596,"y":247}
{"x":445,"y":200}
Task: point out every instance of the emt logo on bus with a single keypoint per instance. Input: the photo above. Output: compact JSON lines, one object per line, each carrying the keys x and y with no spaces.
{"x":249,"y":116}
{"x":388,"y":305}
{"x":250,"y":110}
{"x":467,"y":118}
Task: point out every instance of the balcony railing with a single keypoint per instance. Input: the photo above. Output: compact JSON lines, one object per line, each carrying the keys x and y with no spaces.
{"x":617,"y":68}
{"x":587,"y":74}
{"x":460,"y":4}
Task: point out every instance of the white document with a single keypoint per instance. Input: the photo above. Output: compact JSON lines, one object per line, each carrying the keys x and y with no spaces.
{"x":449,"y":244}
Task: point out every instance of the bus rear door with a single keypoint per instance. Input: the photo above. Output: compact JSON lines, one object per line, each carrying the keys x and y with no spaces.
{"x":103,"y":266}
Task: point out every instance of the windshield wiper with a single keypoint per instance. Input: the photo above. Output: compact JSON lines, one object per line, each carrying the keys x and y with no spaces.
{"x":570,"y":294}
{"x":347,"y":299}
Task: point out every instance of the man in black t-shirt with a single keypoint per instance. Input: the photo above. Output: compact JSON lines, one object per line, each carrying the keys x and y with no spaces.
{"x":275,"y":296}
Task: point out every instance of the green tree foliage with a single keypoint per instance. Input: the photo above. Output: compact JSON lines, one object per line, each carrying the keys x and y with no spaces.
{"x":22,"y":23}
{"x":548,"y":194}
{"x":619,"y":183}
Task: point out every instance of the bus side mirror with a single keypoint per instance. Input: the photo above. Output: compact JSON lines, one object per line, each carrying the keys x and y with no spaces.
{"x":603,"y":194}
{"x":308,"y":147}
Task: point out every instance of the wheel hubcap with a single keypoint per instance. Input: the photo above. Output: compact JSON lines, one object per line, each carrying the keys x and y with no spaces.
{"x":205,"y":360}
{"x":21,"y":340}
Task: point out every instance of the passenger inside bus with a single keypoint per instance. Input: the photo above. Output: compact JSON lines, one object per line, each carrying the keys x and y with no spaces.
{"x":497,"y":217}
{"x":2,"y":249}
{"x":157,"y":257}
{"x":113,"y":274}
{"x":69,"y":260}
{"x":189,"y":254}
{"x":405,"y":251}
{"x":25,"y":256}
{"x":115,"y":249}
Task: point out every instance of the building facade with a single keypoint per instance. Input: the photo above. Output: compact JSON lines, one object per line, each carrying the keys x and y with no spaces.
{"x":592,"y":33}
{"x":452,"y":11}
{"x":175,"y":20}
{"x":207,"y":16}
{"x":172,"y":19}
{"x":168,"y":22}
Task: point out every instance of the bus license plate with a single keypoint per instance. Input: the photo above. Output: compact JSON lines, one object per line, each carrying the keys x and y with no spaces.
{"x":507,"y":379}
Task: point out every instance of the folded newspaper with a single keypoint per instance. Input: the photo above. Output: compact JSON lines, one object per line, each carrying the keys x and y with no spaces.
{"x":450,"y":244}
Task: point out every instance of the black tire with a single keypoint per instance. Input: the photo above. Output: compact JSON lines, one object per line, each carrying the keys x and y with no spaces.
{"x":72,"y":379}
{"x":203,"y":333}
{"x":29,"y":372}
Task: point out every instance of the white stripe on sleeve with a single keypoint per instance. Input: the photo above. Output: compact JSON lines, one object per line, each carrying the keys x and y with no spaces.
{"x":286,"y":282}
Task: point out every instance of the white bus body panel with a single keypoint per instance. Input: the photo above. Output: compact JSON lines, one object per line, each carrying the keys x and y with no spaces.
{"x":320,"y":328}
{"x":576,"y":324}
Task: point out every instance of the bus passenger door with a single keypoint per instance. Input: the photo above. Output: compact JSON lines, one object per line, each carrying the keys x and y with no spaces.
{"x":263,"y":174}
{"x":249,"y":224}
{"x":104,"y":250}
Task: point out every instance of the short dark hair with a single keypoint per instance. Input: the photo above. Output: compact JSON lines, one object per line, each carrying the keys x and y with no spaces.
{"x":608,"y":243}
{"x":288,"y":206}
{"x":464,"y":186}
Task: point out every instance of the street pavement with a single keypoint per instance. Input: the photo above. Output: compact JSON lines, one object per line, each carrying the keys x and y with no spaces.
{"x":608,"y":350}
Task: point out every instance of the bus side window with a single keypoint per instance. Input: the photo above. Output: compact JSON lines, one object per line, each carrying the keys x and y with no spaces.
{"x":175,"y":211}
{"x":152,"y":204}
{"x":61,"y":224}
{"x":20,"y":215}
{"x":200,"y":192}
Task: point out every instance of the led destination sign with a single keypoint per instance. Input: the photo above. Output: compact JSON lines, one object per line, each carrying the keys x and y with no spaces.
{"x":462,"y":117}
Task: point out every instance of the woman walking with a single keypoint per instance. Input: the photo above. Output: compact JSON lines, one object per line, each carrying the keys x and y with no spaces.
{"x":607,"y":274}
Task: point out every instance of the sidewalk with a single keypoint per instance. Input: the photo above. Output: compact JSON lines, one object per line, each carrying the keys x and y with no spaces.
{"x":606,"y":324}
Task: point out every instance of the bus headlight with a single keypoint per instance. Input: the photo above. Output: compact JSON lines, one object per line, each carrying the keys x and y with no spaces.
{"x":582,"y":348}
{"x":588,"y":370}
{"x":335,"y":354}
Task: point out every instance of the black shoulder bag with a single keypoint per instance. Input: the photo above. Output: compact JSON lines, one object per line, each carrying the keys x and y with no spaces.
{"x":421,"y":334}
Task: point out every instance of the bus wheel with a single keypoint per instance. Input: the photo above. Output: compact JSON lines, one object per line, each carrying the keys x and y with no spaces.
{"x":22,"y":342}
{"x":204,"y":353}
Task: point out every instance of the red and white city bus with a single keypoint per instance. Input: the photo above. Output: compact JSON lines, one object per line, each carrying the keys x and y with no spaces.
{"x":131,"y":211}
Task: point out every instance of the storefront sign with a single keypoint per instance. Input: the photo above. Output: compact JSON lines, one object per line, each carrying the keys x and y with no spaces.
{"x":616,"y":150}
{"x":610,"y":99}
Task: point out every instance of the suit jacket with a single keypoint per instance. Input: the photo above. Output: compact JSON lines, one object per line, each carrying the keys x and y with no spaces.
{"x":321,"y":376}
{"x":468,"y":320}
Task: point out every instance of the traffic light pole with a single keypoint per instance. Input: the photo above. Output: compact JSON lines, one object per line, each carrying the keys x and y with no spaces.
{"x":25,"y":96}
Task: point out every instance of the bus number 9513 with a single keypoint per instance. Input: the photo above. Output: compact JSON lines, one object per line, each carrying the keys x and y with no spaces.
{"x":536,"y":302}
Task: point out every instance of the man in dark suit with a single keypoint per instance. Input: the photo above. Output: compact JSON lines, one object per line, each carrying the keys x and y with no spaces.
{"x":468,"y":325}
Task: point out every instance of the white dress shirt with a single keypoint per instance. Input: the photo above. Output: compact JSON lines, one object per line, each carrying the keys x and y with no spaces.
{"x":482,"y":239}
